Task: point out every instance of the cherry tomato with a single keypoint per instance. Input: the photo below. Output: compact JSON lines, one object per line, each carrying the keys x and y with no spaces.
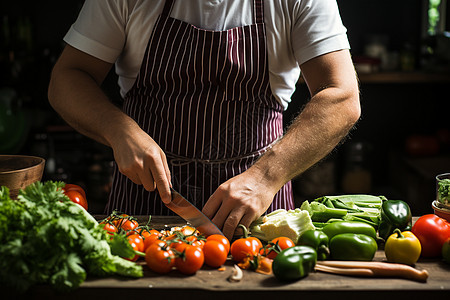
{"x":110,"y":228}
{"x":137,"y":243}
{"x":256,"y":243}
{"x":126,"y":222}
{"x":432,"y":231}
{"x":171,"y":237}
{"x":244,"y":247}
{"x":191,"y":239}
{"x":77,"y":198}
{"x":74,"y":187}
{"x":276,"y":246}
{"x":190,"y":260}
{"x":160,"y":258}
{"x":151,"y":239}
{"x":179,"y":246}
{"x":145,"y":233}
{"x":215,"y":253}
{"x":198,"y":243}
{"x":220,"y":238}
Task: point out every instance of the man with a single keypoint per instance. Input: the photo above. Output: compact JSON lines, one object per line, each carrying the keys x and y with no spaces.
{"x":204,"y":86}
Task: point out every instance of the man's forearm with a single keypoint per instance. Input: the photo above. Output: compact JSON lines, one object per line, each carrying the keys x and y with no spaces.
{"x":323,"y":123}
{"x":83,"y":105}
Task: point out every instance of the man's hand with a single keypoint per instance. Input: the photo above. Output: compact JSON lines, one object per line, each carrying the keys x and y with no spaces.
{"x":239,"y":200}
{"x":327,"y":118}
{"x":75,"y":93}
{"x":141,"y":159}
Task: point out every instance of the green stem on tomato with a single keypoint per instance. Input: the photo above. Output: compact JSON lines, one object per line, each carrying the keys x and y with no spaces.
{"x":244,"y":229}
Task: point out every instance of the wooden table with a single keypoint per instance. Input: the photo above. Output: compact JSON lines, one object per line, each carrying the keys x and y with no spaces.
{"x":212,"y":284}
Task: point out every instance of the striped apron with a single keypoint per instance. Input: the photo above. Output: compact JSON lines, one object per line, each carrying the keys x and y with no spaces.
{"x":205,"y":98}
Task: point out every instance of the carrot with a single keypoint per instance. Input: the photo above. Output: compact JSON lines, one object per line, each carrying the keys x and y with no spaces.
{"x":345,"y":271}
{"x":372,"y":268}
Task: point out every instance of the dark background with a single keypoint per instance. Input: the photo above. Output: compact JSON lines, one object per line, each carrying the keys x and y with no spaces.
{"x":398,"y":146}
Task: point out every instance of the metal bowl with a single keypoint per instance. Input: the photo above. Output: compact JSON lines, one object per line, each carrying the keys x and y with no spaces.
{"x":19,"y":171}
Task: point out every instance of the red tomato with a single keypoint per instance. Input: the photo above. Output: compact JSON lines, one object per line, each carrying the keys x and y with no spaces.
{"x":148,"y":241}
{"x":220,"y":238}
{"x":190,"y":260}
{"x":143,"y":231}
{"x":191,"y":239}
{"x":195,"y":241}
{"x":77,"y":198}
{"x":244,"y":247}
{"x":146,"y":233}
{"x":276,"y":246}
{"x":126,"y":222}
{"x":74,"y":187}
{"x":137,"y":243}
{"x":198,"y":243}
{"x":256,"y":243}
{"x":179,"y":246}
{"x":160,"y":258}
{"x":215,"y":253}
{"x":170,"y":238}
{"x":110,"y":228}
{"x":432,"y":232}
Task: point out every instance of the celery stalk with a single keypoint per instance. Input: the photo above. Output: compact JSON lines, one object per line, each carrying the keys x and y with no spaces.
{"x":321,"y":213}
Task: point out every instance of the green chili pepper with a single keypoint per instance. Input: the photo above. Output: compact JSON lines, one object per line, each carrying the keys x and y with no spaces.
{"x":294,"y":263}
{"x":353,"y":246}
{"x":340,"y":227}
{"x":317,"y":240}
{"x":394,"y":214}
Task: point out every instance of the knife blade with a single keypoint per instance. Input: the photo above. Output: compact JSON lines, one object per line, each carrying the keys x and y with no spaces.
{"x":185,"y":209}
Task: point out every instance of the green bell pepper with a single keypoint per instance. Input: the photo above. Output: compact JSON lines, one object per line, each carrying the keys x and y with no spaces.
{"x":353,"y":246}
{"x":340,"y":227}
{"x":294,"y":263}
{"x":394,"y":214}
{"x":318,"y":240}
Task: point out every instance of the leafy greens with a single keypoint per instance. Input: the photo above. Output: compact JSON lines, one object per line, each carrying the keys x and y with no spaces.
{"x":46,"y":238}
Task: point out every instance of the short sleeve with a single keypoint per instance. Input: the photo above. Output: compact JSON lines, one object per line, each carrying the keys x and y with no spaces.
{"x":317,"y":29}
{"x":100,"y":29}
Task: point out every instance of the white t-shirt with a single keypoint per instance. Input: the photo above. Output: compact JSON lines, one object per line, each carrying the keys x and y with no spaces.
{"x":117,"y":31}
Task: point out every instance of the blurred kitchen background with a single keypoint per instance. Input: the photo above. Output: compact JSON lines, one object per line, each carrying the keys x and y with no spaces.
{"x":401,"y":50}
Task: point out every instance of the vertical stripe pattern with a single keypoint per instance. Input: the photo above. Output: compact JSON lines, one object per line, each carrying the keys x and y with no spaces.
{"x":205,"y":98}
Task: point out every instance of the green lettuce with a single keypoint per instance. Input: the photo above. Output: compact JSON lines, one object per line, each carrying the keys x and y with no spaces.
{"x":47,"y":239}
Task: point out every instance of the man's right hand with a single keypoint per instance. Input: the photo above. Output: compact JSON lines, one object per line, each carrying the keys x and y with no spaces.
{"x":141,"y":159}
{"x":75,"y":93}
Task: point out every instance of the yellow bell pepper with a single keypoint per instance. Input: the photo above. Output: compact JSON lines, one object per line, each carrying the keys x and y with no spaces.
{"x":402,"y":247}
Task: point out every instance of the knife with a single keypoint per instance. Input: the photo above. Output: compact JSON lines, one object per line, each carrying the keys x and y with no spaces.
{"x":185,"y":209}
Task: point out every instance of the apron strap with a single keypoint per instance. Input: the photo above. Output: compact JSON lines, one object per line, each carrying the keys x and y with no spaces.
{"x":258,"y":13}
{"x":167,"y":8}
